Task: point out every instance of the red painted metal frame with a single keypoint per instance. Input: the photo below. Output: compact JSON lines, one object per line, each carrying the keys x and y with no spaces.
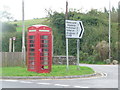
{"x":38,"y":67}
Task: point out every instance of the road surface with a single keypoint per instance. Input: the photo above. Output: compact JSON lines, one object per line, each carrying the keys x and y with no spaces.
{"x":108,"y":81}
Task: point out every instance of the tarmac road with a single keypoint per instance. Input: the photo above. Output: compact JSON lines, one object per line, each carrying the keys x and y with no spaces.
{"x":110,"y":80}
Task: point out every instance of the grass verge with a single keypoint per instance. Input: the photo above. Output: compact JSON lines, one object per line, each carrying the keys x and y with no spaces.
{"x":57,"y":70}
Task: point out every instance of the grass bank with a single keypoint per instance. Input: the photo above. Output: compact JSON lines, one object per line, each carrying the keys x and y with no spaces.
{"x":57,"y":70}
{"x":29,"y":23}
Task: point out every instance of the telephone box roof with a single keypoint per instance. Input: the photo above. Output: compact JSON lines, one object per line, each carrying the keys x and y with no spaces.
{"x":39,"y":25}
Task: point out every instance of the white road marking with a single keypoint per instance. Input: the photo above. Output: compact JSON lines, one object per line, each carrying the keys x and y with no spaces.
{"x":77,"y":86}
{"x":25,"y":82}
{"x":11,"y":80}
{"x":1,"y":80}
{"x":61,"y":85}
{"x":84,"y":87}
{"x":80,"y":87}
{"x":44,"y":83}
{"x":102,"y":75}
{"x":105,"y":74}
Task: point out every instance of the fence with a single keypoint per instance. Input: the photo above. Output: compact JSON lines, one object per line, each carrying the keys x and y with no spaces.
{"x":10,"y":59}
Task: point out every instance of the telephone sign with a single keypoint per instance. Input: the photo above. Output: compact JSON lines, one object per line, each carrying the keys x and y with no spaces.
{"x":74,"y":29}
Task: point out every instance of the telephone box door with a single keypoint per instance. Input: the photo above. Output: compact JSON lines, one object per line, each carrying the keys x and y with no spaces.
{"x":31,"y":54}
{"x":45,"y":54}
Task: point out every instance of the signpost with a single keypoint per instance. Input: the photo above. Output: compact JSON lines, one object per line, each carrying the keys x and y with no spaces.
{"x":74,"y":29}
{"x":66,"y":17}
{"x":10,"y":44}
{"x":78,"y":52}
{"x":14,"y":38}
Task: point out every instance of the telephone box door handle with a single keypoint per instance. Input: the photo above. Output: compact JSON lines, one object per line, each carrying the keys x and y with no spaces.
{"x":40,"y":50}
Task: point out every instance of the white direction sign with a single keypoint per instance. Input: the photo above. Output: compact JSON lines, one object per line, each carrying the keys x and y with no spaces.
{"x":74,"y":29}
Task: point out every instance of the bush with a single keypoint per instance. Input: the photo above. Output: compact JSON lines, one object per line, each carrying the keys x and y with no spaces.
{"x":107,"y":61}
{"x":103,"y":49}
{"x":83,"y":56}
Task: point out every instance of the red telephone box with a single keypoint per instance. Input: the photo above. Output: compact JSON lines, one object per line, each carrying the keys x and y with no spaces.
{"x":39,"y":48}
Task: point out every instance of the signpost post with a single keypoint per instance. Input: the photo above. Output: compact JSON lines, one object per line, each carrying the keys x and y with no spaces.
{"x":66,"y":17}
{"x":74,"y":29}
{"x":78,"y":52}
{"x":10,"y":44}
{"x":14,"y":38}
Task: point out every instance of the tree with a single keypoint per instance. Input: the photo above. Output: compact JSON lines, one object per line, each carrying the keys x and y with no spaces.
{"x":113,"y":10}
{"x":8,"y":28}
{"x":5,"y":41}
{"x":105,"y":10}
{"x":58,"y":20}
{"x":5,"y":15}
{"x":93,"y":12}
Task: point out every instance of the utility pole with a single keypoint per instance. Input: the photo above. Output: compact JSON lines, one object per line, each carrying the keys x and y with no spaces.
{"x":109,"y":30}
{"x":23,"y":35}
{"x":66,"y":14}
{"x":119,"y":31}
{"x":66,"y":17}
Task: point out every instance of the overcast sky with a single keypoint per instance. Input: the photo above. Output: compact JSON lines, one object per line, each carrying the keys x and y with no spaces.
{"x":36,"y":8}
